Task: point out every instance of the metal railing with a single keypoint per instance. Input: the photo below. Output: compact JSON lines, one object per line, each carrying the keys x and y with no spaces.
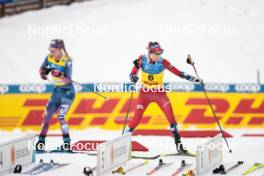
{"x":13,"y":7}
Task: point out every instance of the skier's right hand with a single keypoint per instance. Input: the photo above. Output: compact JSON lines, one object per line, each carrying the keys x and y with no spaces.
{"x":43,"y":76}
{"x":198,"y":80}
{"x":133,"y":78}
{"x":43,"y":73}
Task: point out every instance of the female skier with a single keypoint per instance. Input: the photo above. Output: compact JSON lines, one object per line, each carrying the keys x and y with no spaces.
{"x":59,"y":65}
{"x":152,"y":67}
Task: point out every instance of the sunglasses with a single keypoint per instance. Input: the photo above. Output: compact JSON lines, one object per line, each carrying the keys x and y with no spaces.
{"x":53,"y":51}
{"x":157,"y":54}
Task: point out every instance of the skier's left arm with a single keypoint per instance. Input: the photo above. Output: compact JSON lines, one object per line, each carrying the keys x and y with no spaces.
{"x":179,"y":73}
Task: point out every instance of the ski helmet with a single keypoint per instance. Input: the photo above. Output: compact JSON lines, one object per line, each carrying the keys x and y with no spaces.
{"x":56,"y":43}
{"x":154,"y":47}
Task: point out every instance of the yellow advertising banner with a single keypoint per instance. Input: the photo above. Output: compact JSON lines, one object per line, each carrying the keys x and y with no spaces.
{"x":234,"y":110}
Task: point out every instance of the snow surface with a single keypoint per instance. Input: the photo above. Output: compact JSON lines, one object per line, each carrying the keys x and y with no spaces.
{"x":224,"y":37}
{"x":247,"y":149}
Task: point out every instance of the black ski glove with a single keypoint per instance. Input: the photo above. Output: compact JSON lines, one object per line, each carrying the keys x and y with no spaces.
{"x":133,"y":78}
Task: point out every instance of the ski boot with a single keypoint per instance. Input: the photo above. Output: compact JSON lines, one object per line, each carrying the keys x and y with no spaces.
{"x":177,"y":138}
{"x":119,"y":170}
{"x":219,"y":170}
{"x":40,"y":145}
{"x":189,"y":173}
{"x":161,"y":162}
{"x":66,"y":146}
{"x":129,"y":130}
{"x":87,"y":171}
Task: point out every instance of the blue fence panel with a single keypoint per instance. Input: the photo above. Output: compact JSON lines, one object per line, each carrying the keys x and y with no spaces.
{"x":125,"y":87}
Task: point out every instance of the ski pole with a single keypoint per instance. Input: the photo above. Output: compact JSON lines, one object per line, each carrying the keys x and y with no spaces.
{"x":234,"y":166}
{"x":189,"y":61}
{"x":128,"y":109}
{"x":105,"y":97}
{"x":51,"y":82}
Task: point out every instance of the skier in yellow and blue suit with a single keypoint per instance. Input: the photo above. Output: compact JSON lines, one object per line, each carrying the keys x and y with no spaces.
{"x":59,"y":65}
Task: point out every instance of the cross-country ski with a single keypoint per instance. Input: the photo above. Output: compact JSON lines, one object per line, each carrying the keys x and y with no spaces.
{"x":44,"y":167}
{"x":161,"y":165}
{"x":123,"y":171}
{"x":253,"y":168}
{"x":182,"y":167}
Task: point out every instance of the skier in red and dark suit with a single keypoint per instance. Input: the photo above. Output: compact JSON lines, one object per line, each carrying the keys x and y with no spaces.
{"x":152,"y":67}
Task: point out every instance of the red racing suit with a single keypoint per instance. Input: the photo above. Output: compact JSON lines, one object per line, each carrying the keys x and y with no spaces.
{"x":152,"y":76}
